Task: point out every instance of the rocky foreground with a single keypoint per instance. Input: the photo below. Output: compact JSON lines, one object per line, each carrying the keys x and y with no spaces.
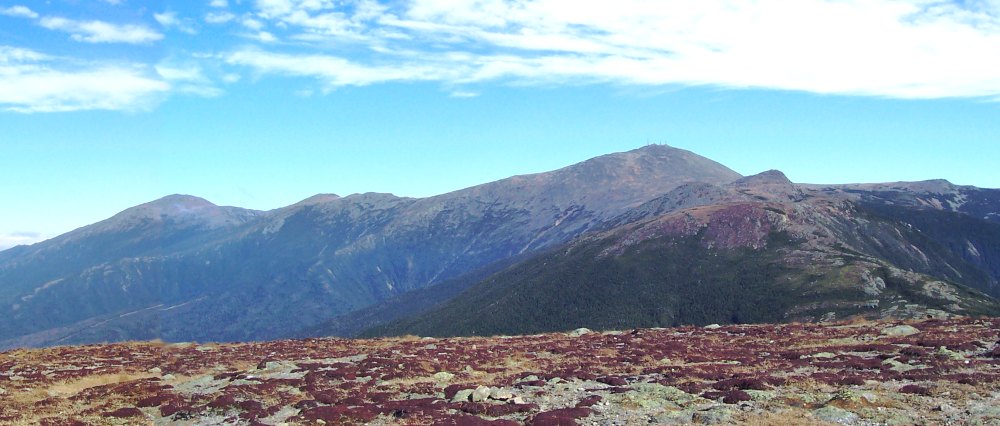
{"x":923,"y":372}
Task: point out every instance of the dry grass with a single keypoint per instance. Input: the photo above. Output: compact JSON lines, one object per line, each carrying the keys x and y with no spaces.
{"x":73,"y":387}
{"x":790,"y":417}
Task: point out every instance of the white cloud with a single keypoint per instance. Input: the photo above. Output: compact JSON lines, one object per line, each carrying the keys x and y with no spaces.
{"x":101,"y":32}
{"x":219,"y":3}
{"x":889,"y":48}
{"x":170,"y":20}
{"x":18,"y":11}
{"x":219,"y":17}
{"x":252,"y":24}
{"x":263,"y":37}
{"x":187,"y":78}
{"x":335,"y":71}
{"x":13,"y":239}
{"x":34,"y":82}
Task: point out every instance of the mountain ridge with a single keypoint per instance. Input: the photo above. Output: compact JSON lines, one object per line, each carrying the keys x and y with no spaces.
{"x":268,"y":273}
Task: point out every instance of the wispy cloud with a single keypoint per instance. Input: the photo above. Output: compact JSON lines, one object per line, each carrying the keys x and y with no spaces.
{"x":219,"y":17}
{"x":95,"y":31}
{"x":335,"y":71}
{"x":889,"y":48}
{"x":171,"y":20}
{"x":18,"y":11}
{"x":187,"y":78}
{"x":13,"y":239}
{"x":33,"y":82}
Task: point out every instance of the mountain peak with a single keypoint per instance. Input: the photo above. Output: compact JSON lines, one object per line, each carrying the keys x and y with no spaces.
{"x":176,"y":208}
{"x":172,"y":205}
{"x":318,"y":199}
{"x":770,"y":177}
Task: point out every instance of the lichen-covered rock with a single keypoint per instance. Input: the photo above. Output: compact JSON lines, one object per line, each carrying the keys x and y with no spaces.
{"x":836,"y":415}
{"x":443,"y":376}
{"x":900,"y":330}
{"x":714,"y":415}
{"x":480,"y":394}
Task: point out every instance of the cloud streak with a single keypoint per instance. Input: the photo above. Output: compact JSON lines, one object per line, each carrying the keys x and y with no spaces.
{"x":18,"y":11}
{"x":33,"y":82}
{"x":888,"y":48}
{"x":95,"y":31}
{"x":13,"y":239}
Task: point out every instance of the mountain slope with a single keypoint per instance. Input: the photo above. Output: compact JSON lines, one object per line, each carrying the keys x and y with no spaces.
{"x":183,"y":269}
{"x":757,"y":250}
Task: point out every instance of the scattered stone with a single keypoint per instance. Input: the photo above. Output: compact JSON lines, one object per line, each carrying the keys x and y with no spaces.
{"x":155,"y":370}
{"x":580,"y":332}
{"x":825,"y":355}
{"x":712,"y":327}
{"x":944,"y":352}
{"x":760,"y":395}
{"x":895,"y":365}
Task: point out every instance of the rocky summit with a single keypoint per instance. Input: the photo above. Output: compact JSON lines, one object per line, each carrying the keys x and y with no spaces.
{"x":848,"y":373}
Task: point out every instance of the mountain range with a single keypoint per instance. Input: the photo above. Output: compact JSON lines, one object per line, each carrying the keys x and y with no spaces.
{"x":656,"y":236}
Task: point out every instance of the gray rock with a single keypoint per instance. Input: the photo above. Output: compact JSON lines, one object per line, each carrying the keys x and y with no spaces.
{"x":719,"y":414}
{"x":500,"y":394}
{"x":684,"y":417}
{"x":481,"y":393}
{"x":836,"y":415}
{"x":463,"y":395}
{"x":713,"y":326}
{"x":899,"y":330}
{"x":580,"y":332}
{"x":443,"y":376}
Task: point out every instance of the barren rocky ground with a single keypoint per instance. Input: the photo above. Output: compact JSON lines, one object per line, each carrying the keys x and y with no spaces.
{"x":914,"y":372}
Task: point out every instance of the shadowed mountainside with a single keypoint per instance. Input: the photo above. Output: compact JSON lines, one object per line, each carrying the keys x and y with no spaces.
{"x":181,"y":268}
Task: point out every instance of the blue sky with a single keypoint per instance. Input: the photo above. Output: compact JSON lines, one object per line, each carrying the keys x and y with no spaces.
{"x":259,"y":104}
